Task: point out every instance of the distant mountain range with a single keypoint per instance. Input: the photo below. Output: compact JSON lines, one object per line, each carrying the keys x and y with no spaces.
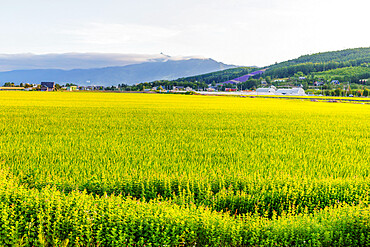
{"x":102,"y":69}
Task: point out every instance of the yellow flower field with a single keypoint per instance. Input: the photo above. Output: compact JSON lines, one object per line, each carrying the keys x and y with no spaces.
{"x":246,"y":158}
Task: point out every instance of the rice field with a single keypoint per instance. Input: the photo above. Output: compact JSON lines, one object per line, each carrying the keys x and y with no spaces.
{"x":155,"y":170}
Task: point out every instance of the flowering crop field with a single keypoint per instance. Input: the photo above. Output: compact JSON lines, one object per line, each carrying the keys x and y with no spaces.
{"x":112,"y":169}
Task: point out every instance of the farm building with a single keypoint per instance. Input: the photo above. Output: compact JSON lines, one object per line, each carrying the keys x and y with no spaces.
{"x":71,"y":88}
{"x":178,"y":88}
{"x":270,"y":90}
{"x":47,"y":86}
{"x":294,"y":91}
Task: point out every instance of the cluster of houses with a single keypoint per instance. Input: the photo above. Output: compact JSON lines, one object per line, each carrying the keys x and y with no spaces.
{"x":174,"y":89}
{"x":44,"y":86}
{"x":91,"y":88}
{"x":49,"y":86}
{"x":272,"y":90}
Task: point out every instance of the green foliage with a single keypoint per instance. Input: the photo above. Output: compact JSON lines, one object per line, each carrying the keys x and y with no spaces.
{"x":195,"y":82}
{"x":51,"y":218}
{"x":355,"y":57}
{"x":348,"y":74}
{"x":366,"y":92}
{"x":9,"y":84}
{"x":219,"y":76}
{"x":320,"y":62}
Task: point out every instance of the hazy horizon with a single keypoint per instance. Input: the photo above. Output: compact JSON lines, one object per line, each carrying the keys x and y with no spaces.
{"x":248,"y":32}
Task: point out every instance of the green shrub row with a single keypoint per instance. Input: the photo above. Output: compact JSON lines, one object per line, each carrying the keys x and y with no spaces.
{"x":48,"y":217}
{"x":264,"y":197}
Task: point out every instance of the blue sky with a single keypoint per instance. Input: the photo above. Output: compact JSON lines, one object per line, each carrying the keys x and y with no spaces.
{"x":248,"y":32}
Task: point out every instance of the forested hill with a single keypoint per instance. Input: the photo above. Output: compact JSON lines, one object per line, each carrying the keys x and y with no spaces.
{"x":219,"y":76}
{"x":307,"y":64}
{"x":320,"y":62}
{"x":362,"y":55}
{"x":346,"y":66}
{"x":200,"y":81}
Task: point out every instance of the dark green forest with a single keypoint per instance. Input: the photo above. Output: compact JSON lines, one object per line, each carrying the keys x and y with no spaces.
{"x":219,"y":76}
{"x":195,"y":82}
{"x":355,"y":56}
{"x":326,"y":61}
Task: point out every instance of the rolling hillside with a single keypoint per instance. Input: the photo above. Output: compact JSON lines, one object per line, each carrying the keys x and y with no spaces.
{"x":219,"y":76}
{"x":320,"y":62}
{"x":360,"y":55}
{"x":349,"y":64}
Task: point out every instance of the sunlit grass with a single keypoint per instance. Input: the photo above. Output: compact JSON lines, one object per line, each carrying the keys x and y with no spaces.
{"x":254,"y":156}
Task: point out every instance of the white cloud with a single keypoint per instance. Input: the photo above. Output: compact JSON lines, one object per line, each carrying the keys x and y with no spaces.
{"x":114,"y":33}
{"x":245,"y":32}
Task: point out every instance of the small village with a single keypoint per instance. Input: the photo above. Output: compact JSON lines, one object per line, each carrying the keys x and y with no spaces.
{"x":52,"y":86}
{"x":231,"y":87}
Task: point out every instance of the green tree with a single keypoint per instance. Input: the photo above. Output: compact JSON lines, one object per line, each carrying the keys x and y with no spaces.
{"x":57,"y":87}
{"x":305,"y":85}
{"x":365,"y":93}
{"x":268,"y":79}
{"x":9,"y":84}
{"x":337,"y":92}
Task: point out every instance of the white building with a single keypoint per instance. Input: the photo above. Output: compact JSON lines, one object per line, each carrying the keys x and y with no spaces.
{"x":298,"y":91}
{"x":279,"y":80}
{"x":266,"y":91}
